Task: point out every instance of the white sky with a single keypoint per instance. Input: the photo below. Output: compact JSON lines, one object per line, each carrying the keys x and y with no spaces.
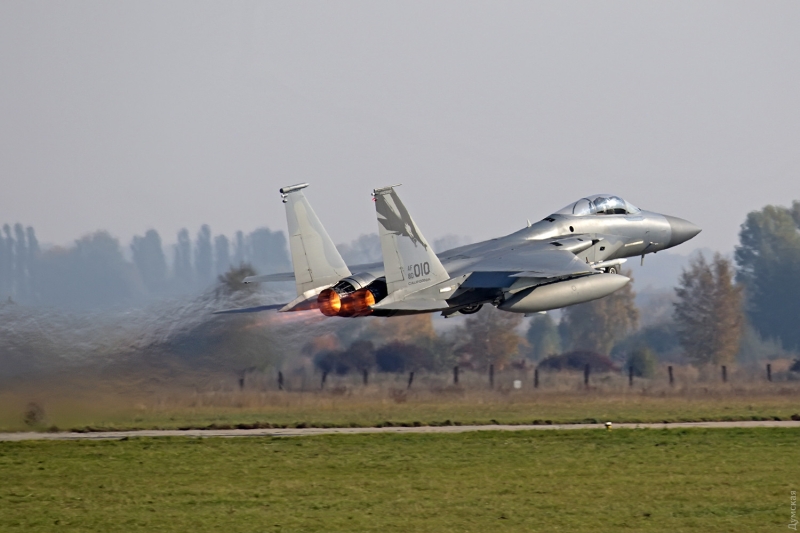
{"x":131,"y":115}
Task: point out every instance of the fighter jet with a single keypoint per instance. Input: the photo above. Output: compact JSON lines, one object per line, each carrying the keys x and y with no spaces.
{"x":569,"y":257}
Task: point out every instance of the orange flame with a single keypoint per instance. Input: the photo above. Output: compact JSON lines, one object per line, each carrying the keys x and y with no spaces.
{"x":329,"y":302}
{"x":354,"y":304}
{"x":362,"y":300}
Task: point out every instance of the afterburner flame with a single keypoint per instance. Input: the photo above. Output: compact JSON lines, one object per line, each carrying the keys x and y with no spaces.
{"x":347,"y":307}
{"x":362,"y":300}
{"x":329,"y":302}
{"x":357,"y":303}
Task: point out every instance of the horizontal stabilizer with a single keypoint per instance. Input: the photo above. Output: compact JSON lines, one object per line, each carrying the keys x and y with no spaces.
{"x":305,"y":301}
{"x":282,"y":276}
{"x":258,"y":309}
{"x":289,"y":276}
{"x":415,"y":304}
{"x":301,"y":303}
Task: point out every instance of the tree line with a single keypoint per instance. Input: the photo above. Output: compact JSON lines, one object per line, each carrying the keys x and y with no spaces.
{"x":94,"y":272}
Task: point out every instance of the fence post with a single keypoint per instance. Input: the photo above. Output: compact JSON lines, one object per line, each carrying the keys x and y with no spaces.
{"x":410,"y":379}
{"x":586,"y":371}
{"x":491,"y":376}
{"x":280,"y":380}
{"x":536,"y":378}
{"x":455,"y":375}
{"x":671,"y":377}
{"x":324,"y":377}
{"x":724,"y":374}
{"x":366,"y":377}
{"x":630,"y":376}
{"x":769,"y":372}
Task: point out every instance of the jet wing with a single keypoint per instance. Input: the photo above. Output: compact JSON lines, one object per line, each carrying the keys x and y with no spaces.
{"x":530,"y":262}
{"x":257,"y":309}
{"x":486,"y":278}
{"x":282,"y":276}
{"x":289,"y":276}
{"x":304,"y":302}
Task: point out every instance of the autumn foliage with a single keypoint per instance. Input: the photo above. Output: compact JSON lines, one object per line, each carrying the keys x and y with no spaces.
{"x":708,"y":312}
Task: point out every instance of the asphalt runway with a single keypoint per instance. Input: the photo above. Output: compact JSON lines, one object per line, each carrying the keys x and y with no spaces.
{"x":305,"y":432}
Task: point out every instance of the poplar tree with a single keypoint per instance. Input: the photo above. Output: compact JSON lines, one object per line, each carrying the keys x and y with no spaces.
{"x":184,"y":273}
{"x":21,"y":267}
{"x":203,"y":259}
{"x":148,"y":256}
{"x":9,"y":263}
{"x":222,"y":254}
{"x":6,"y":260}
{"x":267,"y":251}
{"x":708,"y":313}
{"x":34,"y":253}
{"x":240,"y":250}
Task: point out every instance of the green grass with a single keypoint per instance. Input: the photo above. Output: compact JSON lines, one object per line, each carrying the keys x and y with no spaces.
{"x":586,"y":480}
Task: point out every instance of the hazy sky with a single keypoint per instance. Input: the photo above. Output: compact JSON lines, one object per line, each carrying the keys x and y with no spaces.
{"x":131,"y":115}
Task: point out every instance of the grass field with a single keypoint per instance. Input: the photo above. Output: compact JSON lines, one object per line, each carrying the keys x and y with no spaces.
{"x":115,"y":406}
{"x":586,"y":480}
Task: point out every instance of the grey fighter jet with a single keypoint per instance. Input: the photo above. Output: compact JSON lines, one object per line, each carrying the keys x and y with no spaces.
{"x":569,"y":257}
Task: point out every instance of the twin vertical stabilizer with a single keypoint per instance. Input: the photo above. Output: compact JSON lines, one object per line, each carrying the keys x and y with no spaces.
{"x":316,"y":261}
{"x":409,"y":261}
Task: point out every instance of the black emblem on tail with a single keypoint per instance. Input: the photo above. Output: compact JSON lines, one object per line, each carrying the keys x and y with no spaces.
{"x":397,"y":222}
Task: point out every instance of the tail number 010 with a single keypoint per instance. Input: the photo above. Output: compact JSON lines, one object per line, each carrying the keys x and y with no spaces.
{"x":418,"y":270}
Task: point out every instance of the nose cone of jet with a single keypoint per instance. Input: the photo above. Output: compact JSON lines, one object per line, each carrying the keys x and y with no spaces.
{"x":682,"y":230}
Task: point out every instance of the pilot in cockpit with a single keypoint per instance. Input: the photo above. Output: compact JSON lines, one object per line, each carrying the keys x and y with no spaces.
{"x":599,"y":204}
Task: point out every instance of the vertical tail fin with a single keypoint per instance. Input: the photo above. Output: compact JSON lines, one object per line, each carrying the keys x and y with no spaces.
{"x":316,"y":261}
{"x":408,"y":260}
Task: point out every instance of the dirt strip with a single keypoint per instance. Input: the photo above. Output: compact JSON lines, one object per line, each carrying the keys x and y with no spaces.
{"x":292,"y":432}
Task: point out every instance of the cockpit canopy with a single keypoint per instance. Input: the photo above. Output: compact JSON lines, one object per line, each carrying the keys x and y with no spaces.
{"x":599,"y":204}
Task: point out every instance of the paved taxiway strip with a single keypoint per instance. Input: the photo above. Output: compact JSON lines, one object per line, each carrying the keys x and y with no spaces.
{"x":292,"y":432}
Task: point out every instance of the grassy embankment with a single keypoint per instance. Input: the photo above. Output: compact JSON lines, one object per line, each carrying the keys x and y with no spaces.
{"x":592,"y":480}
{"x":119,"y":404}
